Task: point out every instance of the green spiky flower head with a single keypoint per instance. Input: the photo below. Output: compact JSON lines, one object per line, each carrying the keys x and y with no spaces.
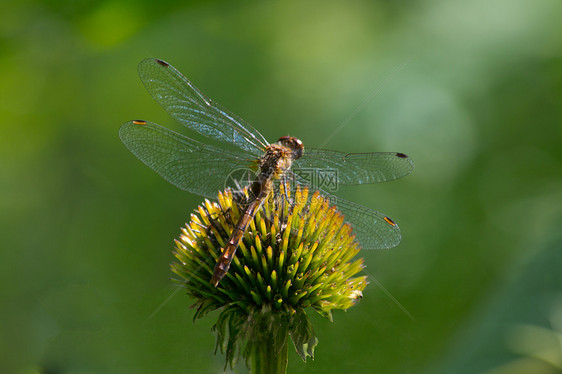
{"x":297,"y":253}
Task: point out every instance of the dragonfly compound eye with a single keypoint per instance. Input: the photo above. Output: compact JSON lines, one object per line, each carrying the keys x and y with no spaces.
{"x":293,"y":144}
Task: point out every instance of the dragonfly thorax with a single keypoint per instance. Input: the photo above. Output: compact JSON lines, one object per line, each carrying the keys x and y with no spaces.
{"x":279,"y":157}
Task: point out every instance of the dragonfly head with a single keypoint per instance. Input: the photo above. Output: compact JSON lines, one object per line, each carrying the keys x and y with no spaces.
{"x":294,"y":144}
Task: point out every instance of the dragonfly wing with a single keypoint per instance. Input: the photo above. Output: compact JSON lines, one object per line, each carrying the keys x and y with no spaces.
{"x":372,"y":229}
{"x":184,"y":102}
{"x":188,"y":164}
{"x":351,"y":168}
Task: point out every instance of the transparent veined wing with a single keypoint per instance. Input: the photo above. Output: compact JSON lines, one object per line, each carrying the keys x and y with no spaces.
{"x":372,"y":229}
{"x":188,"y":164}
{"x":190,"y":107}
{"x":354,"y":168}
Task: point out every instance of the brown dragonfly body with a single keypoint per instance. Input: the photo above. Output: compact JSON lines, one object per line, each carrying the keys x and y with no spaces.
{"x":277,"y":159}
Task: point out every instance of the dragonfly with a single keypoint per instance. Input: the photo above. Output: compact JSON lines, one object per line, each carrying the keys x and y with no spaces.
{"x":202,"y":168}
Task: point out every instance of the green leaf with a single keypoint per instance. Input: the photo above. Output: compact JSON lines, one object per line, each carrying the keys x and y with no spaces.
{"x":303,"y":336}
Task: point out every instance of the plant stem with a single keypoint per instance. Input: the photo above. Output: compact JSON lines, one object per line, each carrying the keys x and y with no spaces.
{"x":269,"y":336}
{"x":266,"y":358}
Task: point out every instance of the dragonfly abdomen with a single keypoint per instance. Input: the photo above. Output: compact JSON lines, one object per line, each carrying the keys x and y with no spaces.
{"x":224,"y":261}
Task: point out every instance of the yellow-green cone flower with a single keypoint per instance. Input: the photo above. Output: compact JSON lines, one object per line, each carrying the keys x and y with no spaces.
{"x":292,"y":257}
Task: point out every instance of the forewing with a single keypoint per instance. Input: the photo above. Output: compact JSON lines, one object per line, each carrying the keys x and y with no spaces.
{"x":184,"y":102}
{"x":188,"y":164}
{"x":327,"y":166}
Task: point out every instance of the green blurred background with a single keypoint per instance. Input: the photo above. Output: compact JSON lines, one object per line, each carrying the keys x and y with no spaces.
{"x":471,"y":90}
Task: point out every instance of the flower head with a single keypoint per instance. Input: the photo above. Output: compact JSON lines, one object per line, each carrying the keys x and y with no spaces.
{"x":296,"y":253}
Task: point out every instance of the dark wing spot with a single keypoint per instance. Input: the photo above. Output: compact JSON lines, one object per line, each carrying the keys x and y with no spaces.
{"x":163,"y":63}
{"x":389,"y":221}
{"x":401,"y":155}
{"x":139,"y":122}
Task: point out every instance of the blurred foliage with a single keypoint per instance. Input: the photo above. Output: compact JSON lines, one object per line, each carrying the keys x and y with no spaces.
{"x":519,"y":328}
{"x":471,"y":90}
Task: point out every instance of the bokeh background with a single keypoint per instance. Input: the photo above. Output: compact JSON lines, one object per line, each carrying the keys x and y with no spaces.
{"x":471,"y":90}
